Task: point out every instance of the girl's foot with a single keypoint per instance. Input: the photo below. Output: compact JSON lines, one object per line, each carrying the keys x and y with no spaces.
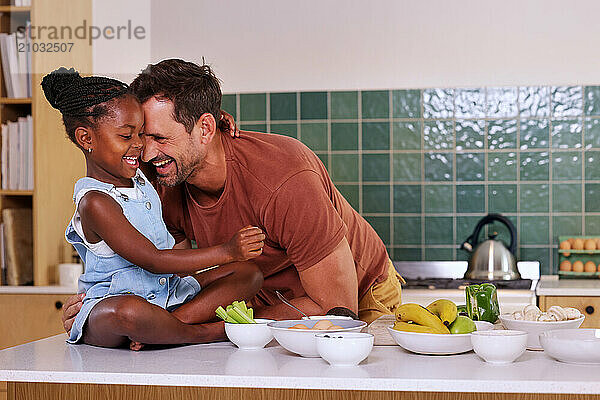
{"x":136,"y":346}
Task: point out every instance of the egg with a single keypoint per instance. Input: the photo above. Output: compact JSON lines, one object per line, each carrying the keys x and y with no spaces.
{"x":571,"y":241}
{"x":565,"y":265}
{"x":589,"y":267}
{"x":322,"y":325}
{"x":577,"y":244}
{"x":565,"y":245}
{"x":578,"y":266}
{"x":589,"y":244}
{"x":299,"y":326}
{"x":598,"y":243}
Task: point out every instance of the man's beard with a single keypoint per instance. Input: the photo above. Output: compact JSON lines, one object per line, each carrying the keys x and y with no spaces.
{"x":183,"y":171}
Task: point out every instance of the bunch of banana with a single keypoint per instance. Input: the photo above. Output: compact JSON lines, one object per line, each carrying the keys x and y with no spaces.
{"x":446,"y":310}
{"x":435,"y":318}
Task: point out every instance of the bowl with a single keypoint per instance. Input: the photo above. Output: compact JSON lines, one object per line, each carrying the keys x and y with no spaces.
{"x":577,"y":346}
{"x":534,"y":328}
{"x":345,"y":349}
{"x":437,"y":344}
{"x":499,"y":346}
{"x":249,"y":336}
{"x":327,"y":317}
{"x":303,"y":341}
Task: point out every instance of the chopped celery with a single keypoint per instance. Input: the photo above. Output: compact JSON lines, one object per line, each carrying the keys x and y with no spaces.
{"x":237,"y":313}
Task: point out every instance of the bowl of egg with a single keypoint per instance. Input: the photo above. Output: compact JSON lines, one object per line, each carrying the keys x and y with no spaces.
{"x":298,"y":336}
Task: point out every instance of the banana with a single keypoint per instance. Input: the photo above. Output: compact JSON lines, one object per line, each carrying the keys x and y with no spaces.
{"x":445,"y":310}
{"x":405,"y":326}
{"x":420,"y":315}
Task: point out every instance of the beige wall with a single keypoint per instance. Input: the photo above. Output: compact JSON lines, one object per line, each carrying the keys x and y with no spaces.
{"x":277,"y":45}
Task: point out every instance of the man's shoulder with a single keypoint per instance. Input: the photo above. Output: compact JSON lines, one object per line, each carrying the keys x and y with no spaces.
{"x":272,"y":159}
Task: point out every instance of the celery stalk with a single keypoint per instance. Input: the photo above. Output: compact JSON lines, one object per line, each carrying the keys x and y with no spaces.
{"x":240,"y":318}
{"x":243,"y":314}
{"x":221,"y":313}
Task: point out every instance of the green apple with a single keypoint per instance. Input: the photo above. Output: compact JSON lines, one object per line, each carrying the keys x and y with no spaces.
{"x":462,"y":324}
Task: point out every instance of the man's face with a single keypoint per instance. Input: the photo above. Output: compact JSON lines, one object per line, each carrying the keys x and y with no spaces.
{"x":168,"y":146}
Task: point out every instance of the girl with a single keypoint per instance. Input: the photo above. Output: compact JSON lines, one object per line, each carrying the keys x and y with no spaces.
{"x":132,"y":295}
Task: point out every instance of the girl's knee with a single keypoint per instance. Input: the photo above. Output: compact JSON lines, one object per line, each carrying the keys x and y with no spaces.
{"x":119,"y":313}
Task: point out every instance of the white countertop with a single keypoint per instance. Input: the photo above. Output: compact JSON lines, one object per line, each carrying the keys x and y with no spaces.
{"x":551,"y":286}
{"x":388,"y":368}
{"x":38,"y":290}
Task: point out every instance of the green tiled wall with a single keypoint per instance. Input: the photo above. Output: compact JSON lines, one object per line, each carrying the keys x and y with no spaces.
{"x":423,"y":166}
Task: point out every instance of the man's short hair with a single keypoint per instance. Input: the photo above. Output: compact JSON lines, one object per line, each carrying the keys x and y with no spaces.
{"x":194,"y":89}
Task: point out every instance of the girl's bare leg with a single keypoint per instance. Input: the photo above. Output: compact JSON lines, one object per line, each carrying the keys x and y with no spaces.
{"x":117,"y":321}
{"x":220,"y":287}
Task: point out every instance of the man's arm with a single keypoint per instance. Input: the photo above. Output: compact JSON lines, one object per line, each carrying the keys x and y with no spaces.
{"x":331,"y":282}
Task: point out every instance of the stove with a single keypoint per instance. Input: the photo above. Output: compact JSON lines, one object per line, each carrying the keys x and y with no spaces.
{"x":450,"y":283}
{"x":427,"y":281}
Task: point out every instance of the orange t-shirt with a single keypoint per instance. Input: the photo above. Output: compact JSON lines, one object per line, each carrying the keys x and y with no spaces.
{"x":279,"y":185}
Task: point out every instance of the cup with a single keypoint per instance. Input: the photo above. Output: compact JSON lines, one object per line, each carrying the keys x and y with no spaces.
{"x":68,"y":274}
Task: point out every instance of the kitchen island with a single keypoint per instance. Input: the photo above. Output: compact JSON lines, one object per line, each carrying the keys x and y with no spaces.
{"x":49,"y":368}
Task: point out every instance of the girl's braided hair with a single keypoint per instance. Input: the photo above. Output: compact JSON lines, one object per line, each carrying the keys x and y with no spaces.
{"x":82,"y":101}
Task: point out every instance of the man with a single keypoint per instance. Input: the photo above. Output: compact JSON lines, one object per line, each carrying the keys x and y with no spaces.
{"x":319,"y":252}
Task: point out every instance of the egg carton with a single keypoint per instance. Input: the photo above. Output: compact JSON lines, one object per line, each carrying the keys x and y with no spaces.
{"x":579,"y":255}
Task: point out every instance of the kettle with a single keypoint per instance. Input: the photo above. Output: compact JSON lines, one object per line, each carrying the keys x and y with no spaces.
{"x":490,"y":259}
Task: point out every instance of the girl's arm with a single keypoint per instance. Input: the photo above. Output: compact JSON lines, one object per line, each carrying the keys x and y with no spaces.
{"x":102,"y":216}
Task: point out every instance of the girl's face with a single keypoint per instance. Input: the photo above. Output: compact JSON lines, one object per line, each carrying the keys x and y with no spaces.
{"x":116,"y":143}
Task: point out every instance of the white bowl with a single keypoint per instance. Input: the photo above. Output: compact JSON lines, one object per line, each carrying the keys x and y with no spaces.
{"x":345,"y":349}
{"x":578,"y":346}
{"x":327,"y":317}
{"x":302,"y":341}
{"x":499,"y":346}
{"x":534,"y":328}
{"x":249,"y":336}
{"x":437,"y":344}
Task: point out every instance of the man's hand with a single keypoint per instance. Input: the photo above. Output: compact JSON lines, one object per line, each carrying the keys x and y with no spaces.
{"x":227,"y":123}
{"x":70,"y":310}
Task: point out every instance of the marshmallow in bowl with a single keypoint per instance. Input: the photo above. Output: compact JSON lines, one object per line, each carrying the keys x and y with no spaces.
{"x":517,"y":315}
{"x":531,"y":313}
{"x":554,"y":313}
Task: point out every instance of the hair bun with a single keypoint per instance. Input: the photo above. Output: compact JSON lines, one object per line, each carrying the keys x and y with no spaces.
{"x":55,"y":83}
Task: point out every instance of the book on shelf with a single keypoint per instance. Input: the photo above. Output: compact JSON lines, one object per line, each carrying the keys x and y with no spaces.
{"x":18,"y":245}
{"x":16,"y":62}
{"x":17,"y":154}
{"x":20,"y":3}
{"x":2,"y":260}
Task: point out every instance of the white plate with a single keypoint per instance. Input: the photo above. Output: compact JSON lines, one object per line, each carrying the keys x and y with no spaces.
{"x":577,"y":346}
{"x":534,"y":328}
{"x":433,"y":344}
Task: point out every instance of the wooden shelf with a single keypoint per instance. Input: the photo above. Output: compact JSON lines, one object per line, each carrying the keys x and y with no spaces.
{"x":14,"y":9}
{"x":8,"y":100}
{"x":16,"y":192}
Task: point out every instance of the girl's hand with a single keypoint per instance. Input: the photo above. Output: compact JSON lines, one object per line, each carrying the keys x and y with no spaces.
{"x":247,"y":243}
{"x":228,"y":124}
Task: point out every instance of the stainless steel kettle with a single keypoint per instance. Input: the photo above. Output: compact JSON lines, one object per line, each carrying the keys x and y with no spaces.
{"x":490,"y":259}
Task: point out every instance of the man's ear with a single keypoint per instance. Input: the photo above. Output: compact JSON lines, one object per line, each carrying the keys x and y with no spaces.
{"x":83,"y":136}
{"x":207,"y":126}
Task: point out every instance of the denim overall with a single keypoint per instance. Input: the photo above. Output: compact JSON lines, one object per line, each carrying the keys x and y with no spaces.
{"x":112,"y":275}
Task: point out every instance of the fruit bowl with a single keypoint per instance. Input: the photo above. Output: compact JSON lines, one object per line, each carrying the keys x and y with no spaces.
{"x":437,"y":344}
{"x":534,"y":328}
{"x":303,"y":341}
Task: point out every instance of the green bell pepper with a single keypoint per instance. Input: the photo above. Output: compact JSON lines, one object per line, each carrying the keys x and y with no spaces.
{"x":482,"y":302}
